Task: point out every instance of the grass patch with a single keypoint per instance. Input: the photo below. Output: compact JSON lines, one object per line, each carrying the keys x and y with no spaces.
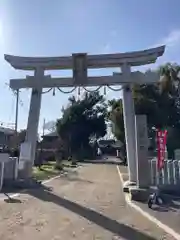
{"x":47,"y":171}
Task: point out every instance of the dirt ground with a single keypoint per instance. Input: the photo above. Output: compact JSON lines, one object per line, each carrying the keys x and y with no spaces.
{"x":85,"y":205}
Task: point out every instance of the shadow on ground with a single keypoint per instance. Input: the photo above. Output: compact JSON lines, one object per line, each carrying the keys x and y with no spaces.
{"x":119,"y":229}
{"x":14,"y":186}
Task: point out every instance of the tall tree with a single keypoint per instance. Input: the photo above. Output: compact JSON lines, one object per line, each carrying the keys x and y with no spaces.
{"x":170,"y":84}
{"x":116,"y":117}
{"x":82,"y":120}
{"x":159,"y":106}
{"x":18,"y":138}
{"x":170,"y":79}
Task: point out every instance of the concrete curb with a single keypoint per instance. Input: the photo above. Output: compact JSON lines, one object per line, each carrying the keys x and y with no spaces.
{"x":161,"y":225}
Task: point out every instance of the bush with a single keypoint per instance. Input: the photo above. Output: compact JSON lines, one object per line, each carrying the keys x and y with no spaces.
{"x":73,"y":163}
{"x":58,"y":167}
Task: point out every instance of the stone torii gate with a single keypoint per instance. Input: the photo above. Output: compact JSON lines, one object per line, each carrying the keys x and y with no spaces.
{"x":80,"y":63}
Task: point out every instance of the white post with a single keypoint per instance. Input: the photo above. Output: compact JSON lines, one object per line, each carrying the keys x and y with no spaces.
{"x":129,"y":125}
{"x":1,"y":174}
{"x":34,"y":113}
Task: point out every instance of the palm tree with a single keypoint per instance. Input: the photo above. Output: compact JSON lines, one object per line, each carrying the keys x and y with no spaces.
{"x":170,"y":79}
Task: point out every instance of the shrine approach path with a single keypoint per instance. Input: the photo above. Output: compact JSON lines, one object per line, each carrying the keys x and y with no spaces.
{"x":85,"y":204}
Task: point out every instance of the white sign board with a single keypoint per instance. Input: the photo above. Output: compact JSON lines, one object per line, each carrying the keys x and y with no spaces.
{"x":4,"y":157}
{"x":143,"y":171}
{"x":1,"y":174}
{"x":25,"y":151}
{"x":25,"y":154}
{"x":21,"y":165}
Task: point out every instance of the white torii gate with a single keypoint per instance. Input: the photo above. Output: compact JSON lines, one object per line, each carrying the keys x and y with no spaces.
{"x":80,"y":63}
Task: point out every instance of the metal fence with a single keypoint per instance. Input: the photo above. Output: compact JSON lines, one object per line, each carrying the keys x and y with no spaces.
{"x":168,"y":178}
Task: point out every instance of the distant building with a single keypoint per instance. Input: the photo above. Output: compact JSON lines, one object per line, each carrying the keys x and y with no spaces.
{"x":110,"y":143}
{"x":110,"y":146}
{"x":48,"y":147}
{"x":5,"y":136}
{"x":50,"y":141}
{"x":51,"y":135}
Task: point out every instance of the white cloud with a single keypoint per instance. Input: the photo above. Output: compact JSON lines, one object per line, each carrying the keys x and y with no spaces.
{"x":2,"y":40}
{"x":171,"y":40}
{"x":106,"y":48}
{"x":172,"y":43}
{"x":113,"y":33}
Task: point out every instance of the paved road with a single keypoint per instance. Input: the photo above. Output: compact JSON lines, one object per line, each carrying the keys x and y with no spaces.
{"x":85,"y":205}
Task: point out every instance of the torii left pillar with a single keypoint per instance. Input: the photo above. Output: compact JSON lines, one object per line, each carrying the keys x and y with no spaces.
{"x":129,"y":125}
{"x":33,"y":121}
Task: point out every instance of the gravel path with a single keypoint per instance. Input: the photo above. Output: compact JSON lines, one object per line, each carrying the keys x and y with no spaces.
{"x":85,"y":205}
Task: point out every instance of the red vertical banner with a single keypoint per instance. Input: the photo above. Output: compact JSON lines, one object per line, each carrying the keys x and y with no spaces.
{"x":161,"y":146}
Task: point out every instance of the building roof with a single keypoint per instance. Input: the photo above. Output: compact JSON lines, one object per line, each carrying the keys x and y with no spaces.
{"x":110,"y":142}
{"x":7,"y":131}
{"x":51,"y":134}
{"x":106,"y":142}
{"x":117,"y":144}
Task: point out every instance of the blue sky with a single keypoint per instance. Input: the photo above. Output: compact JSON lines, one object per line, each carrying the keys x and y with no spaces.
{"x":61,"y":27}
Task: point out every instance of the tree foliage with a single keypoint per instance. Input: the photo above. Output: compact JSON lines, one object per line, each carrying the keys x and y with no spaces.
{"x":82,"y":120}
{"x":160,"y":108}
{"x":116,"y":117}
{"x":170,"y":79}
{"x":16,"y":140}
{"x":158,"y":102}
{"x":22,"y":136}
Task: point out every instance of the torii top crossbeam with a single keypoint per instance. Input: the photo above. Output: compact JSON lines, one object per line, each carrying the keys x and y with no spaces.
{"x":135,"y":58}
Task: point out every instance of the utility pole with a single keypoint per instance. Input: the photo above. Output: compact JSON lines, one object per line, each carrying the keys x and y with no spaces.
{"x":43,"y":130}
{"x":17,"y":111}
{"x":16,"y":118}
{"x":41,"y":144}
{"x":44,"y":122}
